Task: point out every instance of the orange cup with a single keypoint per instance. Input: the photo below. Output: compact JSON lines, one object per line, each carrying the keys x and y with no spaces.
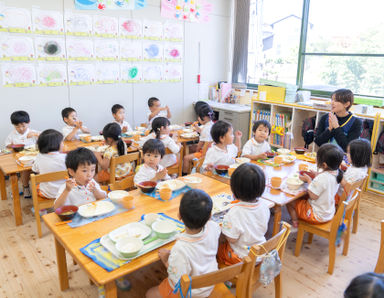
{"x":303,"y":167}
{"x":276,"y":182}
{"x":127,"y":202}
{"x":165,"y":193}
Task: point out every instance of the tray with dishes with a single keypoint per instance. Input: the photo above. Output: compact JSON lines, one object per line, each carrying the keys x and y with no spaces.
{"x":97,"y":208}
{"x":100,"y":149}
{"x":25,"y":160}
{"x":174,"y":184}
{"x":221,"y":204}
{"x":97,"y":138}
{"x":189,"y":135}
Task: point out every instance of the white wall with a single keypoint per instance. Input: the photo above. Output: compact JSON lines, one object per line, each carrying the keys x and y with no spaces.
{"x":93,"y":103}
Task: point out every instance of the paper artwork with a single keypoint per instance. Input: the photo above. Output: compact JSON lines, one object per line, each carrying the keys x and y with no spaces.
{"x":52,"y":74}
{"x":152,"y":51}
{"x":110,"y":4}
{"x":78,"y":24}
{"x":3,"y":28}
{"x":188,"y":10}
{"x":173,"y":72}
{"x":79,"y":49}
{"x":152,"y":73}
{"x":47,"y":22}
{"x":152,"y":30}
{"x":129,"y":28}
{"x":50,"y":48}
{"x":81,"y":73}
{"x":173,"y":31}
{"x":173,"y":52}
{"x":131,"y":50}
{"x":17,"y":19}
{"x":17,"y":48}
{"x":130,"y":73}
{"x":104,"y":26}
{"x":107,"y":73}
{"x":18,"y":74}
{"x":106,"y":50}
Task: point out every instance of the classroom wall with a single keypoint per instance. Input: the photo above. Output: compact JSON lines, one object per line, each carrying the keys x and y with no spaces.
{"x":93,"y":103}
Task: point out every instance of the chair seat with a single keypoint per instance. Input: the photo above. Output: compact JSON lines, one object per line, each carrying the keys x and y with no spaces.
{"x":45,"y":203}
{"x":221,"y":291}
{"x":326,"y":227}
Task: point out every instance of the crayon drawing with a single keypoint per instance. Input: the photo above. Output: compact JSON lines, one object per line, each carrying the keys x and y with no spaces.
{"x":187,"y":10}
{"x":107,"y":73}
{"x":173,"y":52}
{"x":130,"y":73}
{"x":152,"y":30}
{"x":173,"y":31}
{"x":152,"y":51}
{"x":17,"y":48}
{"x":131,"y":50}
{"x":104,"y":26}
{"x":129,"y":28}
{"x":152,"y":73}
{"x":79,"y":49}
{"x":78,"y":24}
{"x":17,"y":19}
{"x":47,"y":22}
{"x":173,"y":72}
{"x":18,"y":75}
{"x":50,"y":48}
{"x":51,"y":74}
{"x":110,"y":4}
{"x":81,"y":74}
{"x":106,"y":50}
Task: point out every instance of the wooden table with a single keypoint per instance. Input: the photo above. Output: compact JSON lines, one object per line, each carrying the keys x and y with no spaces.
{"x":71,"y":240}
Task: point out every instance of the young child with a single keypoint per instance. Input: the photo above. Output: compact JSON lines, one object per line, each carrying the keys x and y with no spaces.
{"x":50,"y":159}
{"x":204,"y":116}
{"x":155,"y":110}
{"x":22,"y":135}
{"x":194,"y":253}
{"x":74,"y":126}
{"x":116,"y":147}
{"x":80,"y":188}
{"x":160,"y":130}
{"x":257,"y":146}
{"x":359,"y":154}
{"x":320,"y":207}
{"x":223,"y":152}
{"x":118,"y":113}
{"x":151,"y":170}
{"x":246,"y":222}
{"x":367,"y":285}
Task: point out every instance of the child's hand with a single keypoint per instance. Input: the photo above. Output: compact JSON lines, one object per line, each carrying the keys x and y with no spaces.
{"x":305,"y":178}
{"x":91,"y":186}
{"x":263,"y":155}
{"x":164,"y":254}
{"x":209,"y":167}
{"x":238,"y":134}
{"x":69,"y":184}
{"x":125,"y":129}
{"x":167,"y":108}
{"x":161,"y":174}
{"x":32,"y":134}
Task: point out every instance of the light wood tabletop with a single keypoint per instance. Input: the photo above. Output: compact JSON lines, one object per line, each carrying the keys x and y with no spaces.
{"x":72,"y":239}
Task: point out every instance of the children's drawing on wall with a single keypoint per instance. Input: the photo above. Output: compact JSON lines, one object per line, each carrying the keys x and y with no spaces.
{"x":173,"y":72}
{"x":18,"y":74}
{"x":2,"y":18}
{"x":50,"y":48}
{"x":152,"y":73}
{"x":152,"y":30}
{"x":51,"y":74}
{"x":152,"y":51}
{"x":130,"y":73}
{"x":106,"y":50}
{"x":131,"y":50}
{"x":173,"y":31}
{"x":109,"y":4}
{"x":104,"y":26}
{"x":173,"y":52}
{"x":107,"y":73}
{"x":78,"y":24}
{"x":188,"y":10}
{"x":129,"y":28}
{"x":17,"y":19}
{"x":47,"y":22}
{"x":17,"y":48}
{"x":81,"y":73}
{"x":79,"y":49}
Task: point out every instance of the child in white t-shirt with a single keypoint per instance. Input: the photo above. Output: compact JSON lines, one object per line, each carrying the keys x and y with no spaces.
{"x":118,"y":113}
{"x":320,"y":207}
{"x":156,"y":110}
{"x":256,"y":147}
{"x":151,"y":170}
{"x":246,"y":222}
{"x":73,"y":125}
{"x":194,"y":252}
{"x":80,"y":188}
{"x":50,"y":159}
{"x":223,"y":152}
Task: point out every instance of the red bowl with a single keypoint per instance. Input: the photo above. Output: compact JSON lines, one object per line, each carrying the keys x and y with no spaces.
{"x":17,"y":147}
{"x":221,"y":169}
{"x":300,"y":150}
{"x":147,"y":186}
{"x":270,"y":154}
{"x":343,"y":167}
{"x":66,"y":212}
{"x":310,"y":174}
{"x":188,"y":123}
{"x":128,"y":142}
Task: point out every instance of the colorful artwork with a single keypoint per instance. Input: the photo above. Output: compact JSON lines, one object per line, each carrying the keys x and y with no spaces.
{"x":131,"y":50}
{"x":52,"y":74}
{"x":47,"y":22}
{"x":173,"y":31}
{"x":18,"y":74}
{"x":50,"y":48}
{"x":152,"y":51}
{"x":173,"y":72}
{"x":79,"y":49}
{"x":152,"y":73}
{"x":188,"y":10}
{"x":104,"y":26}
{"x":152,"y":30}
{"x":173,"y":52}
{"x":17,"y":19}
{"x":106,"y":50}
{"x":110,"y":4}
{"x":130,"y":73}
{"x":129,"y":28}
{"x":81,"y":74}
{"x":78,"y":24}
{"x":17,"y":48}
{"x":107,"y":73}
{"x":3,"y":28}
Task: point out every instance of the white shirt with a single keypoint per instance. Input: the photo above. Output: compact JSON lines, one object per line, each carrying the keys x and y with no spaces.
{"x":15,"y":138}
{"x":247,"y":222}
{"x":252,"y":147}
{"x":146,"y":173}
{"x":195,"y":255}
{"x":205,"y":134}
{"x":79,"y":195}
{"x":353,"y":174}
{"x":124,"y":124}
{"x":162,"y":113}
{"x":325,"y":186}
{"x":47,"y":163}
{"x":68,"y":129}
{"x":217,"y":156}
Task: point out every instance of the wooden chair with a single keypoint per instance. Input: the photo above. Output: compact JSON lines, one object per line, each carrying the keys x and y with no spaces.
{"x":130,"y":157}
{"x":276,"y":242}
{"x":380,"y":261}
{"x":40,"y":203}
{"x":177,"y":168}
{"x":240,"y":271}
{"x":197,"y":163}
{"x":329,"y":230}
{"x":359,"y":184}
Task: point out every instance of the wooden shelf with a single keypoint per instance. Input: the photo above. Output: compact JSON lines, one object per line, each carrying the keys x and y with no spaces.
{"x":375,"y":190}
{"x":376,"y":181}
{"x":377,"y":170}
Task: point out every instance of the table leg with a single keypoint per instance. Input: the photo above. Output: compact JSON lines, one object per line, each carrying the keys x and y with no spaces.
{"x":2,"y":186}
{"x":277,"y":220}
{"x":61,"y":266}
{"x":186,"y":148}
{"x":110,"y":290}
{"x":16,"y":199}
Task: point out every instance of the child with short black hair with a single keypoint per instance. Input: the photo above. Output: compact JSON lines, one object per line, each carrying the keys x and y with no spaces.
{"x":246,"y":222}
{"x":80,"y":188}
{"x":359,"y":154}
{"x":151,"y":170}
{"x":156,"y":110}
{"x":74,"y":125}
{"x":367,"y":285}
{"x":194,"y":252}
{"x":223,"y":152}
{"x":256,"y":147}
{"x":118,"y":113}
{"x":50,"y":159}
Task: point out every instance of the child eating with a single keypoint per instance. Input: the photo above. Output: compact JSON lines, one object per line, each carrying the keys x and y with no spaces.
{"x":359,"y":154}
{"x":155,"y":110}
{"x":73,"y":125}
{"x":256,"y":147}
{"x":118,"y":113}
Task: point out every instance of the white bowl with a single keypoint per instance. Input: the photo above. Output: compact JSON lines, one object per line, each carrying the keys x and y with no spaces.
{"x":27,"y":160}
{"x":164,"y":228}
{"x":129,"y":247}
{"x":150,"y":218}
{"x":294,"y":183}
{"x":283,"y":151}
{"x":116,"y":196}
{"x":241,"y":160}
{"x":192,"y":181}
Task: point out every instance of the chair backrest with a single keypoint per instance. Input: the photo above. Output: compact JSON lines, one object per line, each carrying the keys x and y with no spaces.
{"x":200,"y":162}
{"x":239,"y":271}
{"x":276,"y":242}
{"x":179,"y":169}
{"x":347,"y":206}
{"x":349,"y":188}
{"x":130,"y":157}
{"x":47,"y":177}
{"x":380,"y":260}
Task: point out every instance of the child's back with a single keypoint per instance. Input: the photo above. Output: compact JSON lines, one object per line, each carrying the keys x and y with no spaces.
{"x":359,"y":153}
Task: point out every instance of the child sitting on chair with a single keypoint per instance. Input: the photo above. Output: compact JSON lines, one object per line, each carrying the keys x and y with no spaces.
{"x":156,"y":110}
{"x":257,"y":146}
{"x":118,"y":113}
{"x":73,"y":125}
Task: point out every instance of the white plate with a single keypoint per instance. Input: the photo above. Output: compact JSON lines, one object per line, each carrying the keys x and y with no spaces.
{"x":96,"y":208}
{"x":117,"y":195}
{"x":288,"y":158}
{"x":175,"y":127}
{"x":188,"y":130}
{"x":173,"y":184}
{"x":133,"y":229}
{"x":283,"y":151}
{"x":221,"y":202}
{"x":189,"y":135}
{"x":97,"y":138}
